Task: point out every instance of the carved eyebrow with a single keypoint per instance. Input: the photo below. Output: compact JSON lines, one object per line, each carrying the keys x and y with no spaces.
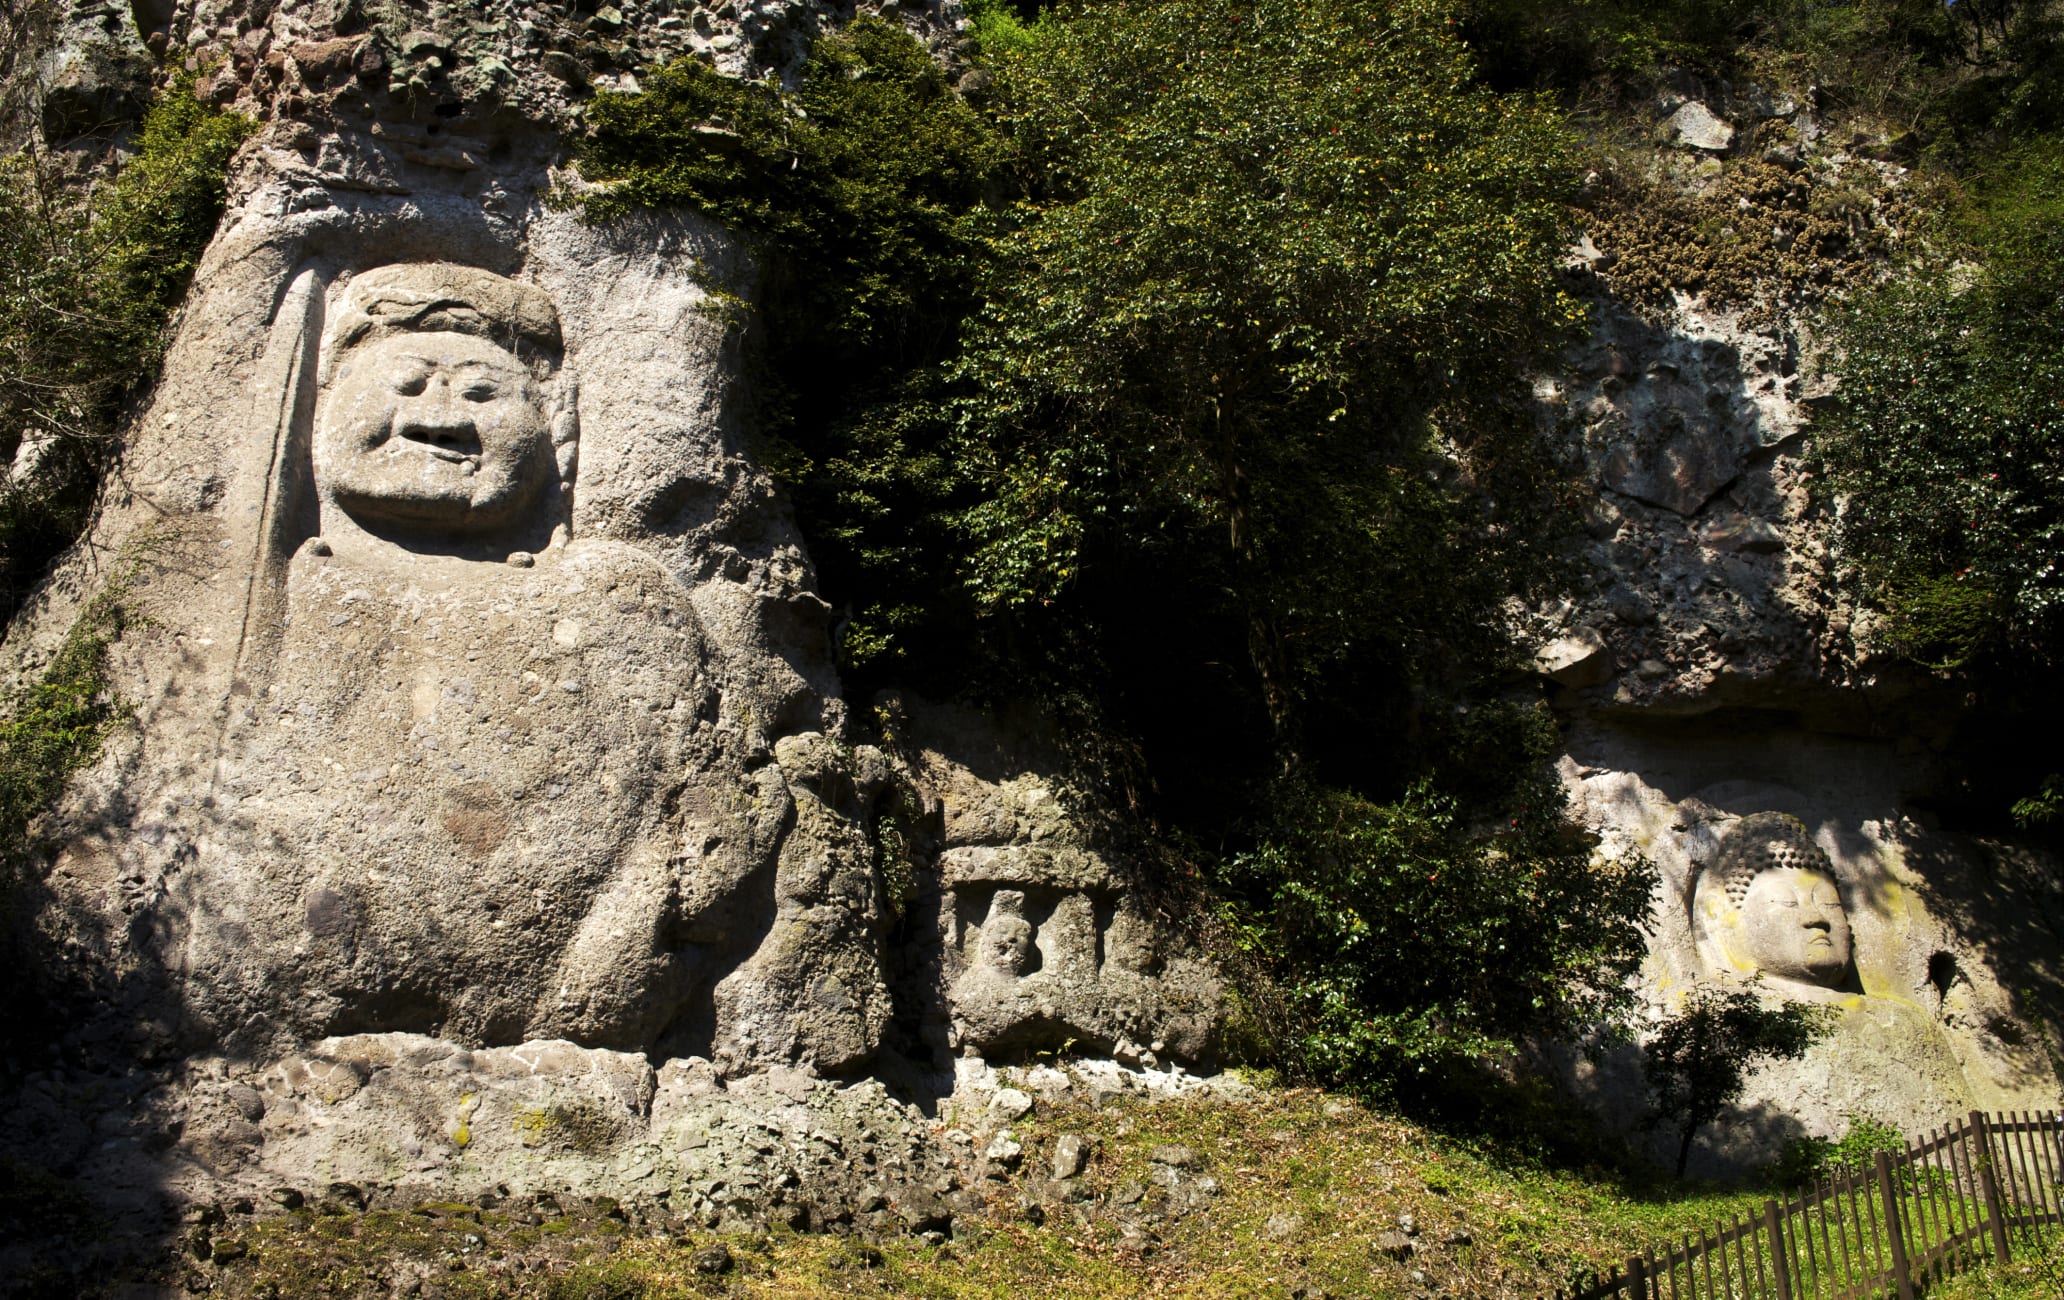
{"x":493,"y":365}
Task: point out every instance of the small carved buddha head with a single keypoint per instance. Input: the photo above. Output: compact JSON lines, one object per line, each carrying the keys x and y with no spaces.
{"x":1006,"y":943}
{"x":1769,"y":903}
{"x":433,"y":415}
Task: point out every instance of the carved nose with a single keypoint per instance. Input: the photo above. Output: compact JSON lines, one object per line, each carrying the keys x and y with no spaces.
{"x":438,"y":423}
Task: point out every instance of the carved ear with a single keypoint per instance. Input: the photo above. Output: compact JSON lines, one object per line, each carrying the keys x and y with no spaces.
{"x":566,"y":428}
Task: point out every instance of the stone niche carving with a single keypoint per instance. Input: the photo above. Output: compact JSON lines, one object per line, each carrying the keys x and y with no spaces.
{"x":1768,"y":906}
{"x":1042,"y":946}
{"x":1806,"y":882}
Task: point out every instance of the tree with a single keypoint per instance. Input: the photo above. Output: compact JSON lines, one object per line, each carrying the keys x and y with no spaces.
{"x":1947,"y":452}
{"x":1230,"y":449}
{"x":88,"y":278}
{"x":1945,"y":465}
{"x":1699,"y":1061}
{"x":1251,"y":335}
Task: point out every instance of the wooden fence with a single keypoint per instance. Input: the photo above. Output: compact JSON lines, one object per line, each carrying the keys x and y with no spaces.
{"x":1949,"y":1201}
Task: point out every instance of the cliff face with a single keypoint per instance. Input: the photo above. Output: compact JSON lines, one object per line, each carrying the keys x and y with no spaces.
{"x":1719,"y":666}
{"x":493,"y":814}
{"x":490,"y":813}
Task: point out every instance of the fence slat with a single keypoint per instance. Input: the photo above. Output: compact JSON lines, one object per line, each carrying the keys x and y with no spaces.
{"x":2046,"y":1166}
{"x":1920,"y":1234}
{"x":1744,"y":1251}
{"x":2031,"y":1185}
{"x":1988,"y":1187}
{"x":1848,"y":1278}
{"x":2011,"y":1159}
{"x":1780,"y":1268}
{"x":1798,"y":1247}
{"x":1895,"y":1237}
{"x":1868,"y":1199}
{"x":1971,"y":1198}
{"x":1941,"y":1202}
{"x":1827,"y":1247}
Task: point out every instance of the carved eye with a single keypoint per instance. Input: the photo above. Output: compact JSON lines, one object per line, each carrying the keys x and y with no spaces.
{"x":480,"y":390}
{"x":410,"y":383}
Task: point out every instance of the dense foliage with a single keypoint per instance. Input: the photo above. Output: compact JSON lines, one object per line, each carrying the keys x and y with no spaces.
{"x":1242,"y":403}
{"x":1178,"y":380}
{"x":1948,"y":451}
{"x":51,"y":729}
{"x":1401,"y":935}
{"x":1267,"y":287}
{"x":87,"y":282}
{"x":1946,"y":463}
{"x":1807,"y":1159}
{"x":859,"y":191}
{"x":1953,"y":77}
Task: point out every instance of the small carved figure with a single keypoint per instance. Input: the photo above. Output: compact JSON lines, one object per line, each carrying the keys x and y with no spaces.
{"x":1007,"y":936}
{"x":1769,"y":905}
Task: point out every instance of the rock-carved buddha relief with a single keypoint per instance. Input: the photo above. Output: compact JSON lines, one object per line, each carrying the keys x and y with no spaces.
{"x":442,"y":422}
{"x":1768,"y":906}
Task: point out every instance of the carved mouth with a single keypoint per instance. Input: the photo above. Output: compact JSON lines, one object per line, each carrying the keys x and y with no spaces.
{"x":455,"y":446}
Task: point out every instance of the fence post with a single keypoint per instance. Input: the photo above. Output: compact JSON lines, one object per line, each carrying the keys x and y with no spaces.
{"x":1988,"y":1186}
{"x":1894,"y":1233}
{"x":1773,"y":1222}
{"x":1637,"y":1277}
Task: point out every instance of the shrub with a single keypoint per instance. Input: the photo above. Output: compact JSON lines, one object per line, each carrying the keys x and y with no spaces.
{"x":1401,"y":937}
{"x":87,"y":283}
{"x":1808,"y":1158}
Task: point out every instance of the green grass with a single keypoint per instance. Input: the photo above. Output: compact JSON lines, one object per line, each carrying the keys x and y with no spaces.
{"x":1307,"y":1182}
{"x":1345,"y":1172}
{"x":2035,"y":1273}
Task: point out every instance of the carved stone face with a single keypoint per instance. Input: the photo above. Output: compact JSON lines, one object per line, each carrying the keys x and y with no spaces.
{"x":1793,"y":926}
{"x":1007,"y":944}
{"x":434,"y":431}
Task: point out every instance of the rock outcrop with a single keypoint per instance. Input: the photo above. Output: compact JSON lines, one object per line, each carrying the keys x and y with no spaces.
{"x":1717,"y":680}
{"x":491,"y":815}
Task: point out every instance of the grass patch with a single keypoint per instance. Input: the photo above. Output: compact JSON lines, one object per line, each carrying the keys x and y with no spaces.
{"x":1305,"y":1183}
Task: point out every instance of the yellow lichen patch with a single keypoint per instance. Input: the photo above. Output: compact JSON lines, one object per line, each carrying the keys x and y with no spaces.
{"x":462,"y":1134}
{"x":531,"y":1124}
